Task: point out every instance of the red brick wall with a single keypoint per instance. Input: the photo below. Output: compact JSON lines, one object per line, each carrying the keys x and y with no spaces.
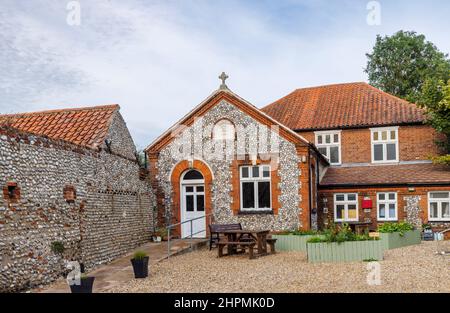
{"x":371,"y":193}
{"x":416,"y":142}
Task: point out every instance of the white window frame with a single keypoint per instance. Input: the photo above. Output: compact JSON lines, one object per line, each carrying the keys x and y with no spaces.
{"x":329,"y":145}
{"x":346,"y":203}
{"x":439,"y":202}
{"x":384,"y":143}
{"x":386,"y":203}
{"x":255,"y":181}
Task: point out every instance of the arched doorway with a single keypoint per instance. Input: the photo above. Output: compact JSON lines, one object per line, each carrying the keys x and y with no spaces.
{"x":193,"y":204}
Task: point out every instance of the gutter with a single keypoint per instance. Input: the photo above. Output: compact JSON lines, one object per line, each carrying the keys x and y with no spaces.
{"x":356,"y":186}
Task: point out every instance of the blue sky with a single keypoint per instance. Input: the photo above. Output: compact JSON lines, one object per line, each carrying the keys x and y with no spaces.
{"x":158,"y":59}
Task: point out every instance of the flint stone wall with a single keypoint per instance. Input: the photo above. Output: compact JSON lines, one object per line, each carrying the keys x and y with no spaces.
{"x":290,"y":202}
{"x":112,"y":212}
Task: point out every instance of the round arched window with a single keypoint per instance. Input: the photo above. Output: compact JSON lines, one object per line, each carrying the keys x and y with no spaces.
{"x":193,"y":175}
{"x":223,"y":130}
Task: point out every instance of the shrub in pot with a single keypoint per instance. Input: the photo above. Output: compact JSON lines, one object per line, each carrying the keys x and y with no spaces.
{"x":86,"y":284}
{"x":140,"y":264}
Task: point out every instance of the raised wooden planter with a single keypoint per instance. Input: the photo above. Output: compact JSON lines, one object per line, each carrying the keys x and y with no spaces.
{"x":345,"y":252}
{"x":291,"y":242}
{"x":395,"y":240}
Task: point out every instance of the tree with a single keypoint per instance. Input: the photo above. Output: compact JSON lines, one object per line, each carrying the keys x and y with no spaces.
{"x":435,"y":99}
{"x":400,"y":64}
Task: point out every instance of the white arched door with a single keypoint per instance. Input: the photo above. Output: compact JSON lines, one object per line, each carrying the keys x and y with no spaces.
{"x":193,"y":204}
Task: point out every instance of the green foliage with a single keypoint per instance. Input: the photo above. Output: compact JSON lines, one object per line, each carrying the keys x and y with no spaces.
{"x":339,"y":235}
{"x":370,"y":260}
{"x":400,"y":64}
{"x":435,"y":99}
{"x":140,"y":255}
{"x":57,"y":247}
{"x":162,"y":232}
{"x":299,"y":232}
{"x":400,"y":227}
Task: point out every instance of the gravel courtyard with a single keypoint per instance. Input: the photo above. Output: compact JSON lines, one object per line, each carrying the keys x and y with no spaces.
{"x":409,"y":269}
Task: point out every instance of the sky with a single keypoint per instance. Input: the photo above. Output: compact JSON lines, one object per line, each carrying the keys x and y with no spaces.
{"x":159,"y":59}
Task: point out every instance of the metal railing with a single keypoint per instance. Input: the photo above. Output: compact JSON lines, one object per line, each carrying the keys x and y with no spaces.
{"x":191,"y":236}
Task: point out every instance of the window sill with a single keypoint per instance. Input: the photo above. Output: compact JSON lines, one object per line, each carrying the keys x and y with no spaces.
{"x":255,"y":212}
{"x":439,"y":220}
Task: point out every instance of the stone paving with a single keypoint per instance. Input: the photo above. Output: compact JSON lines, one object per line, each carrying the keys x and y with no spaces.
{"x":120,"y":271}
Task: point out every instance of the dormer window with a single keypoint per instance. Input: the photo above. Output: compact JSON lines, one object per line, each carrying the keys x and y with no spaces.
{"x":384,"y":144}
{"x":224,"y":130}
{"x":329,"y":144}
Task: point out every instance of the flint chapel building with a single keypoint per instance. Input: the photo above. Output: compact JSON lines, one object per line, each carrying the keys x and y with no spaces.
{"x":329,"y":154}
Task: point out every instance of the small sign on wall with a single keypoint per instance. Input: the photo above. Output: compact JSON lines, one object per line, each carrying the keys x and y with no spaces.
{"x":367,"y":210}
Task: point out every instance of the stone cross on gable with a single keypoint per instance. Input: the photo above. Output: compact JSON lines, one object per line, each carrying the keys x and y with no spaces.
{"x":223,"y":77}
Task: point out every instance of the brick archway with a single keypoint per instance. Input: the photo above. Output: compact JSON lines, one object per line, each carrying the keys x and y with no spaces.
{"x":175,"y":177}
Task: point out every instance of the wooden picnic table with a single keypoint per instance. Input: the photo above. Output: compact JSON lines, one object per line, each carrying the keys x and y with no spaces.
{"x":250,"y":238}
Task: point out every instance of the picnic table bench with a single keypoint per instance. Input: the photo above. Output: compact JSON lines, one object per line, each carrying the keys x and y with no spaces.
{"x":239,"y":240}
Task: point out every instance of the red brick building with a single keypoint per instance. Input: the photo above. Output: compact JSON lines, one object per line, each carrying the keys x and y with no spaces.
{"x":379,"y":149}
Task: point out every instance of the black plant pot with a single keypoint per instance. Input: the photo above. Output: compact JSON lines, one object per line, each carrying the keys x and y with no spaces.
{"x":140,"y":267}
{"x":82,"y":270}
{"x":85,"y":287}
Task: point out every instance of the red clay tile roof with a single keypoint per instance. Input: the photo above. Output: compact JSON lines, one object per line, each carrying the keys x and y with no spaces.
{"x":83,"y":126}
{"x":387,"y":174}
{"x":342,"y":106}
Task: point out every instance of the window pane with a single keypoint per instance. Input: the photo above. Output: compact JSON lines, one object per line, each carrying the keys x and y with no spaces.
{"x":266,"y":171}
{"x":433,"y":209}
{"x":392,"y":210}
{"x":391,"y":154}
{"x":340,"y":198}
{"x":336,"y":138}
{"x":352,"y":211}
{"x":351,"y":197}
{"x":189,"y":189}
{"x":439,"y":195}
{"x":264,"y":195}
{"x":383,"y":135}
{"x":375,"y":136}
{"x":255,"y":171}
{"x":393,"y":134}
{"x":339,"y":212}
{"x":245,"y":172}
{"x":248,"y":195}
{"x":193,"y":174}
{"x":334,"y":154}
{"x":190,"y":203}
{"x":392,"y":196}
{"x":378,"y":152}
{"x":381,"y":196}
{"x":382,"y":211}
{"x":323,"y":151}
{"x":319,"y":139}
{"x":445,"y":210}
{"x":327,"y":139}
{"x":200,"y":203}
{"x":200,"y":189}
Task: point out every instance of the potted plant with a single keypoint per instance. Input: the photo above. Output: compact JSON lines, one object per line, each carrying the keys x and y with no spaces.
{"x":156,"y":237}
{"x":140,"y":264}
{"x":163,"y":233}
{"x":85,"y":286}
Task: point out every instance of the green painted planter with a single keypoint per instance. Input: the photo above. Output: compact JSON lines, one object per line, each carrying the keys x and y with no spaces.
{"x":291,"y":242}
{"x":394,"y":240}
{"x":345,"y":252}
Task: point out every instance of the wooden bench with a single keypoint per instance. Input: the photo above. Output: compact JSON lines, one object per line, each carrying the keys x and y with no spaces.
{"x":250,"y":245}
{"x":215,"y":229}
{"x":271,"y":242}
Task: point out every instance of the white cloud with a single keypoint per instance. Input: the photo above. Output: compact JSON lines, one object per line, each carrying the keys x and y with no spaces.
{"x":159,"y":59}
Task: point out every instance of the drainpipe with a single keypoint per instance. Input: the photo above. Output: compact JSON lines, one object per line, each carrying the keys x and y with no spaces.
{"x":310,"y":187}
